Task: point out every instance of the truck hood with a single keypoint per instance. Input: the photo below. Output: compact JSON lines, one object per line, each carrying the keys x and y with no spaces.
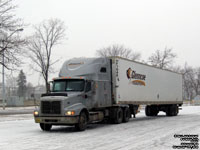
{"x":60,"y":96}
{"x":67,"y":102}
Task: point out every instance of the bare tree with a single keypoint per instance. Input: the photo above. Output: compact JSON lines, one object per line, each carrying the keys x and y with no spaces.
{"x":47,"y":35}
{"x":21,"y":82}
{"x":30,"y":91}
{"x":10,"y":39}
{"x":11,"y":85}
{"x":187,"y":82}
{"x":194,"y":77}
{"x":191,"y":80}
{"x":118,"y":50}
{"x":162,"y":59}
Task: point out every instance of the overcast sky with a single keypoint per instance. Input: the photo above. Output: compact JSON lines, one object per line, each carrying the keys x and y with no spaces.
{"x":143,"y":25}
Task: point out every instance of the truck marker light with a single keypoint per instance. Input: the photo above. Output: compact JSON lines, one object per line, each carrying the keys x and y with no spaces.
{"x":96,"y":85}
{"x":73,"y":112}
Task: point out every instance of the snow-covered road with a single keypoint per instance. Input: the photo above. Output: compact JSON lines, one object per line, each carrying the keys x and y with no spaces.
{"x":19,"y":132}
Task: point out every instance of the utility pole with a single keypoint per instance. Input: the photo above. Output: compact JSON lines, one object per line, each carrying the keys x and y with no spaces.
{"x":3,"y":82}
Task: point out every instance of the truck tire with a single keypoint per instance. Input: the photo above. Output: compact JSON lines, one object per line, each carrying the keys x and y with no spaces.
{"x":147,"y":111}
{"x":151,"y":111}
{"x":45,"y":127}
{"x":126,"y":114}
{"x":118,"y":115}
{"x":154,"y":110}
{"x":172,"y":110}
{"x":82,"y":124}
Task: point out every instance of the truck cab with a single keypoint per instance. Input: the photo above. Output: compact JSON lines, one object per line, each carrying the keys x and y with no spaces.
{"x":76,"y":93}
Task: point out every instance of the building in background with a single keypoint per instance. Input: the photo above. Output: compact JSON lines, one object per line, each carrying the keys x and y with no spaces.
{"x":197,"y":100}
{"x":12,"y":98}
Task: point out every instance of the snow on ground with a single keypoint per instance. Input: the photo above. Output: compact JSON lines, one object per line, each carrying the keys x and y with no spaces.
{"x":19,"y":132}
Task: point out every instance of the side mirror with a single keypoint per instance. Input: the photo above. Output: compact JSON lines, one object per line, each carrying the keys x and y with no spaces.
{"x":88,"y":86}
{"x":50,"y":86}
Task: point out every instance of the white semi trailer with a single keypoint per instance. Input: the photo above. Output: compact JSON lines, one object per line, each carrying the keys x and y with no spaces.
{"x":93,"y":89}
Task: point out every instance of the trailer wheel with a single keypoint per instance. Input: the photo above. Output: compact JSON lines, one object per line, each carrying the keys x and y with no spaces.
{"x":177,"y":110}
{"x":151,"y":110}
{"x":45,"y":127}
{"x":118,"y":115}
{"x":82,"y":125}
{"x":154,"y":110}
{"x":148,"y":111}
{"x":172,"y":110}
{"x":126,"y":114}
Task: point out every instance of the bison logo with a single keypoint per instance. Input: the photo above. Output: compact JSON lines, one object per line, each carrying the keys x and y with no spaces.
{"x":128,"y":73}
{"x":135,"y":78}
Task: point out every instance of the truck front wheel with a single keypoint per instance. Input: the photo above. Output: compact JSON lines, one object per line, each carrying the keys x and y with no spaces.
{"x":82,"y":124}
{"x":45,"y":127}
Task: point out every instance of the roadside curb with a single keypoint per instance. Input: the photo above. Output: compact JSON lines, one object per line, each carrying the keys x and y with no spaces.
{"x":16,"y":110}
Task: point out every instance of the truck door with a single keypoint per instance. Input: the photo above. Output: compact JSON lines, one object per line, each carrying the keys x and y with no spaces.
{"x":88,"y":95}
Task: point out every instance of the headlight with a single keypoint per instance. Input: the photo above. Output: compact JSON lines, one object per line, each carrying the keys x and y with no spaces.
{"x":70,"y":113}
{"x":36,"y":113}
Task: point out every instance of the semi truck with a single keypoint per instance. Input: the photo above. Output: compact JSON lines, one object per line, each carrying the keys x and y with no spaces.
{"x":90,"y":90}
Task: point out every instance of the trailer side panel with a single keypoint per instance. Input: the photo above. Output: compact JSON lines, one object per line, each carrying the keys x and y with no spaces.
{"x":137,"y":83}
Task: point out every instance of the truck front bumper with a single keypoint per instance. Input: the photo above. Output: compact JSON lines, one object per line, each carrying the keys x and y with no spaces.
{"x":66,"y":120}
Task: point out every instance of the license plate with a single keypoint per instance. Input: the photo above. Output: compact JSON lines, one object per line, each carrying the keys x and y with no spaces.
{"x":37,"y":120}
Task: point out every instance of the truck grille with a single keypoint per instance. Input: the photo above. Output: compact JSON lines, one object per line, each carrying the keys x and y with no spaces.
{"x":48,"y":107}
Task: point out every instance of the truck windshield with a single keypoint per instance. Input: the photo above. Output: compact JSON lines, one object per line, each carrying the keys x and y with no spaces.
{"x":68,"y":85}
